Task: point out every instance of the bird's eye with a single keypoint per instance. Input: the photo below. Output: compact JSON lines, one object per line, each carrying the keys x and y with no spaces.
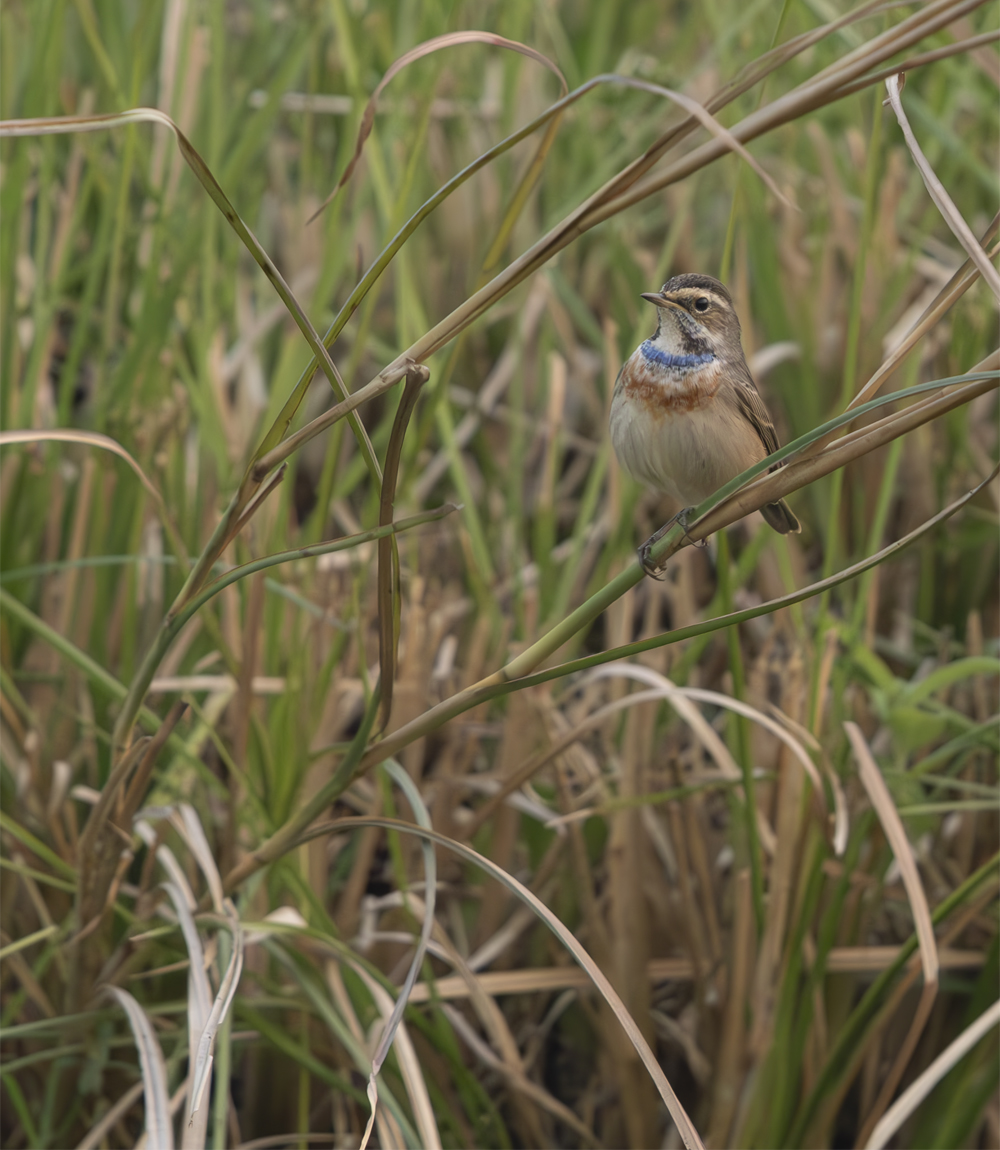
{"x":702,"y":303}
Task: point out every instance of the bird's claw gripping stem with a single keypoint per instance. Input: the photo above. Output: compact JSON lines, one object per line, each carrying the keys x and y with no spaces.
{"x":645,"y":551}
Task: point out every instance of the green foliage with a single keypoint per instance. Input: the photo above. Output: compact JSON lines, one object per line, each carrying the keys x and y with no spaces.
{"x":132,"y":307}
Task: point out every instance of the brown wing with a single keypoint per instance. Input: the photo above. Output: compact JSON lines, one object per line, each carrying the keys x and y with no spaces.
{"x":751,"y":406}
{"x":746,"y":398}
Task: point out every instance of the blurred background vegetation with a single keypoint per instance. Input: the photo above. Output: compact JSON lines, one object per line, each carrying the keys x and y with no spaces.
{"x":128,"y":307}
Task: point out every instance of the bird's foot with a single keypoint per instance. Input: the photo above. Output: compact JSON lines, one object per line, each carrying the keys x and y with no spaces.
{"x":645,"y":551}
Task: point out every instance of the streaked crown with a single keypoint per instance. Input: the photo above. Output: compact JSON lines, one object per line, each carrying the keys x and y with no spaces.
{"x":694,"y":283}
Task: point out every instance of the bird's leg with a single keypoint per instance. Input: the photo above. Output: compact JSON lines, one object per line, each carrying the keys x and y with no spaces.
{"x":682,"y":517}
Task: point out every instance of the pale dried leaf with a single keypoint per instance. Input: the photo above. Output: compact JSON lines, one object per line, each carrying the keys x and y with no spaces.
{"x":895,"y":833}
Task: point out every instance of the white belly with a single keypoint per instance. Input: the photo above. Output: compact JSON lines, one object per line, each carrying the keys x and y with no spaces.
{"x":685,"y":454}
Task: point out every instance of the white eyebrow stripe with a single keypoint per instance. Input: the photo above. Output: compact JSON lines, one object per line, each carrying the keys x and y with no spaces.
{"x":697,"y":293}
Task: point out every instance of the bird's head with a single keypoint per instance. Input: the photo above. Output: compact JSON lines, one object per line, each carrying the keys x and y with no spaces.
{"x":696,"y":315}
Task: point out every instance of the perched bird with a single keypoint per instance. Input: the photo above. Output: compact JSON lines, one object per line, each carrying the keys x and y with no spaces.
{"x":686,"y":416}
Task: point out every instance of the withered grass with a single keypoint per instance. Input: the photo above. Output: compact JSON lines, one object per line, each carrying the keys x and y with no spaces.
{"x":283,"y":502}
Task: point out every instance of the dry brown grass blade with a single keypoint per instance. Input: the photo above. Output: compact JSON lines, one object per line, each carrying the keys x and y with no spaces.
{"x":921,"y":59}
{"x":895,"y":833}
{"x":507,"y":1060}
{"x":517,"y":1081}
{"x":928,"y":18}
{"x":683,"y":700}
{"x":97,"y":1134}
{"x":522,"y":775}
{"x":678,"y":697}
{"x":954,"y":930}
{"x":448,"y":40}
{"x":100,"y":852}
{"x":916,"y":1028}
{"x":918,"y":1090}
{"x":409,"y":1064}
{"x":822,"y":89}
{"x":952,"y":291}
{"x":89,"y":893}
{"x":939,"y":194}
{"x":548,"y":979}
{"x":711,"y":124}
{"x":130,"y":802}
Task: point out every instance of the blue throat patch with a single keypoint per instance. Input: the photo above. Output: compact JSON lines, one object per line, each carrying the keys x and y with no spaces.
{"x":662,"y":359}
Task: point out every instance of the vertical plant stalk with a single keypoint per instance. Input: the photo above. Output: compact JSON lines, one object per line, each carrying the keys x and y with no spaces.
{"x":743,"y":741}
{"x":851,"y":351}
{"x":946,"y":298}
{"x":388,"y":552}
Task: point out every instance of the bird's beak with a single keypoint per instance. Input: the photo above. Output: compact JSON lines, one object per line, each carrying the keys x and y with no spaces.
{"x":659,"y":299}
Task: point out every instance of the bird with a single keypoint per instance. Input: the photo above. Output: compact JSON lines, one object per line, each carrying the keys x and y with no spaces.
{"x":686,"y":416}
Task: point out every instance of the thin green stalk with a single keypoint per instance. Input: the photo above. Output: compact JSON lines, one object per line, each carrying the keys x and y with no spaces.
{"x":222,"y":1066}
{"x":825,"y":937}
{"x":742,"y":729}
{"x":585,"y":517}
{"x":470,"y":516}
{"x":772,"y":1100}
{"x":80,"y":659}
{"x":112,"y":296}
{"x":305,"y":1082}
{"x":87,"y":16}
{"x":851,"y":350}
{"x":886,"y":489}
{"x":745,"y":566}
{"x":388,"y":553}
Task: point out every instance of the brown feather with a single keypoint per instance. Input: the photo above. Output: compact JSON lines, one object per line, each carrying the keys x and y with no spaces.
{"x":750,"y":404}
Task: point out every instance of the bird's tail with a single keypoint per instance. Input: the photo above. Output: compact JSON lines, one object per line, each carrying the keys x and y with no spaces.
{"x":779,"y":516}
